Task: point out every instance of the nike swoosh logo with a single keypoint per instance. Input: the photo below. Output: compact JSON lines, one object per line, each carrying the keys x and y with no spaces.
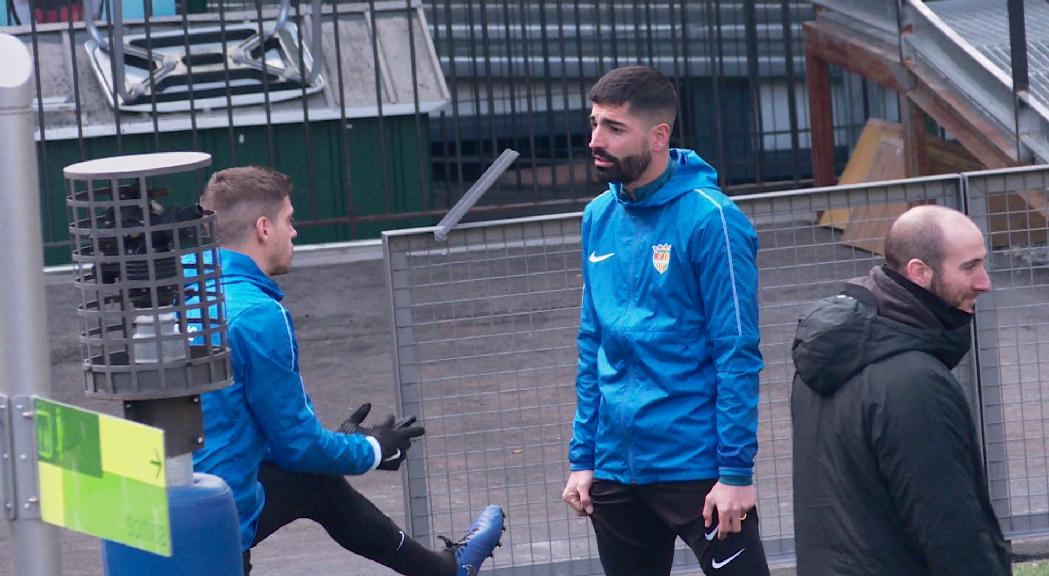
{"x":393,"y":456}
{"x":595,"y":258}
{"x":713,"y":532}
{"x":719,"y":565}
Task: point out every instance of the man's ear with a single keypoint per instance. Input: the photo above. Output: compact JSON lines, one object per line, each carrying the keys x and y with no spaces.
{"x":262,"y":229}
{"x":660,"y":137}
{"x":919,"y":272}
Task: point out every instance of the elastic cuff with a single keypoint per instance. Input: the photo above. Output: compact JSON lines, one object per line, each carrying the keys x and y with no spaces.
{"x":377,"y":450}
{"x":735,"y":480}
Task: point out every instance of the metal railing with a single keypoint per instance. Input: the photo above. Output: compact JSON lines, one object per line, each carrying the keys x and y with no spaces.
{"x":416,"y":97}
{"x":485,"y":324}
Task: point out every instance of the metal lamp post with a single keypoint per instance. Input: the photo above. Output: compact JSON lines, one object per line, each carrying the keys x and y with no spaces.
{"x":25,"y":368}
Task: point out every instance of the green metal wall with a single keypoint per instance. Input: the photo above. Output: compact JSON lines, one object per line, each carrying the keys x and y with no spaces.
{"x":322,"y":191}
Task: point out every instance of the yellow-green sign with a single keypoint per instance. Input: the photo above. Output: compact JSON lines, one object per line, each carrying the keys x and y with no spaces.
{"x":103,"y":476}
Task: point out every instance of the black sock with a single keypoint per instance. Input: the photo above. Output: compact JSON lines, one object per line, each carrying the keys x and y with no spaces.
{"x":414,"y":559}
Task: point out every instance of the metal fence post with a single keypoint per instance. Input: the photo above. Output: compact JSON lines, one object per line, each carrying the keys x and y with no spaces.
{"x":24,"y":359}
{"x":986,"y":391}
{"x":406,"y":373}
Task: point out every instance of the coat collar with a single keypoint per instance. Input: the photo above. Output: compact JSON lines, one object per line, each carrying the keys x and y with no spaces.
{"x":238,"y":267}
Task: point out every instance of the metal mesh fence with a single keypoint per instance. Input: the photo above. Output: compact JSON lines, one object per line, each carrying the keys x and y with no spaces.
{"x":485,"y":328}
{"x":485,"y":341}
{"x":1013,"y":344}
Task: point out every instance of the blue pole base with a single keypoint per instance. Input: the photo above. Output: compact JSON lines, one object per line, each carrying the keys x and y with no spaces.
{"x":205,"y":536}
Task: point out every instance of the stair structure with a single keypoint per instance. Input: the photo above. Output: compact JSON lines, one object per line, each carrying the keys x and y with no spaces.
{"x":951,"y":60}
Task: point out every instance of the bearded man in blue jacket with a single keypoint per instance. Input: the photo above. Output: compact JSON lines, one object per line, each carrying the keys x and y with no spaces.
{"x":261,"y":433}
{"x":664,"y":435}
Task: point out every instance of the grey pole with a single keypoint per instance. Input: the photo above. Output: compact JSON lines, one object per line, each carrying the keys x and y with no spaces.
{"x":24,"y":362}
{"x":486,"y":181}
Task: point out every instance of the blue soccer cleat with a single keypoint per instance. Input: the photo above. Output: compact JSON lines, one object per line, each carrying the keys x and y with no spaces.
{"x":477,"y":544}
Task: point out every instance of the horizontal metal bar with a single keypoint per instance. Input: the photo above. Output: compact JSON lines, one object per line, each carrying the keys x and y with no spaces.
{"x":880,"y":14}
{"x":241,"y":120}
{"x":485,"y":224}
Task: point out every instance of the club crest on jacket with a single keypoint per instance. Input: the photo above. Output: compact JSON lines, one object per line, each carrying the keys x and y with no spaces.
{"x":661,"y":257}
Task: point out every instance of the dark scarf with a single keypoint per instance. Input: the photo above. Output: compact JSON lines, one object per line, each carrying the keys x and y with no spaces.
{"x":904,"y":301}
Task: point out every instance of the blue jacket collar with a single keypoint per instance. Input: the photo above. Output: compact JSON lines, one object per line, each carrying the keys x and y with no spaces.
{"x":239,"y":267}
{"x":685,"y":173}
{"x":645,"y":191}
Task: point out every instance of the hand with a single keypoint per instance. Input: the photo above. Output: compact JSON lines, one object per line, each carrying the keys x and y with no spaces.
{"x":352,"y":425}
{"x":577,"y":492}
{"x":394,"y":438}
{"x":731,"y":503}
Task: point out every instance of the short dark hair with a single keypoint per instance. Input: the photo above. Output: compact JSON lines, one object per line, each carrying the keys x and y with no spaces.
{"x":645,"y":90}
{"x":241,"y":195}
{"x":919,"y":237}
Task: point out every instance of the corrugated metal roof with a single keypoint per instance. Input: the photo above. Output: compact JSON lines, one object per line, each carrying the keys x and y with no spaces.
{"x":985,"y":25}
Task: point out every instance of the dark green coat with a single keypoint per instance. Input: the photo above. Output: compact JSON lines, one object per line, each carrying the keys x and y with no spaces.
{"x":888,"y":478}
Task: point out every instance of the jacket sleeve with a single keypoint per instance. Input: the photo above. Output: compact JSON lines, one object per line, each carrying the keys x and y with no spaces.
{"x":924,"y":441}
{"x":727,"y":245}
{"x":584,"y":427}
{"x":265,"y":339}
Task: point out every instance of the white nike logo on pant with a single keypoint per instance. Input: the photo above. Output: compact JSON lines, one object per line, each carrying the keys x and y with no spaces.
{"x":713,"y":532}
{"x":595,"y":258}
{"x":718,"y":565}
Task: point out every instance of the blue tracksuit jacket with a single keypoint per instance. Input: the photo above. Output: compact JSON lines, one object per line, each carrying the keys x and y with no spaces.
{"x":266,"y":414}
{"x":667,"y":386}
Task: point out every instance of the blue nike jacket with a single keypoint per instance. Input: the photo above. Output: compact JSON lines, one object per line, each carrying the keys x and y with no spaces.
{"x":266,"y":415}
{"x":667,"y":385}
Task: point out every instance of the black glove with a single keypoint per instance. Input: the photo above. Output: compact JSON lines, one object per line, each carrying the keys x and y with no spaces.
{"x":352,"y":425}
{"x":394,"y":437}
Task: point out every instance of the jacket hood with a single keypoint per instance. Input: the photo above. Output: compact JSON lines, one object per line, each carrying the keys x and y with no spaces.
{"x":690,"y":172}
{"x":839,"y":336}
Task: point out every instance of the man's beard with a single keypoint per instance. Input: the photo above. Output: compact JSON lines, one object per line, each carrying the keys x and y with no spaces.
{"x":954,"y":300}
{"x":625,"y":170}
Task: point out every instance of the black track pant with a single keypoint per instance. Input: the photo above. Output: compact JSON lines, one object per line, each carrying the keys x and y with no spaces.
{"x":636,"y":527}
{"x":348,"y":517}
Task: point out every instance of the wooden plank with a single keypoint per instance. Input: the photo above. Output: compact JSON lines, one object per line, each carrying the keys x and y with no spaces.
{"x":1018,"y":219}
{"x":868,"y":225}
{"x":878,"y":156}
